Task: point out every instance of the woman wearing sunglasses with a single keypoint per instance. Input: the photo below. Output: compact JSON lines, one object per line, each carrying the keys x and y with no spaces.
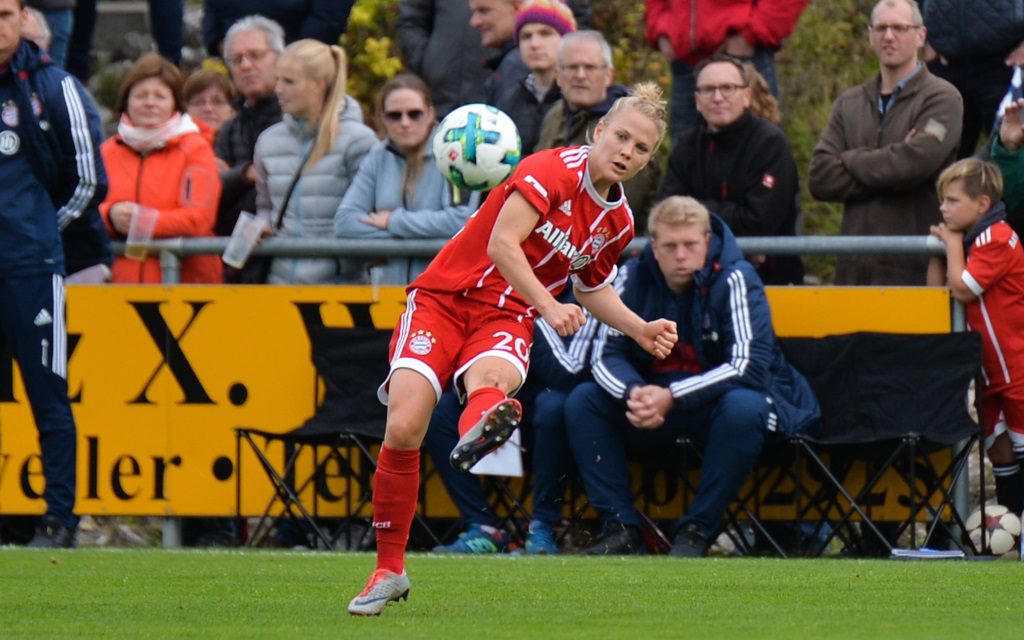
{"x":426,"y":206}
{"x":305,"y":163}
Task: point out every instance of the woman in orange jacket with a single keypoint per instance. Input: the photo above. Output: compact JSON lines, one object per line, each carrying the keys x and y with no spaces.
{"x":159,"y":159}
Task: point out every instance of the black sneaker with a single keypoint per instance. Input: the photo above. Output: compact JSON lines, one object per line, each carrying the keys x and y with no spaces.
{"x":617,"y":540}
{"x":494,"y":428}
{"x":689,"y":542}
{"x":51,"y":534}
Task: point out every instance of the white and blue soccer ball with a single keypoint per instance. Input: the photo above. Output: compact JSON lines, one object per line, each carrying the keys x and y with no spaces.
{"x":476,"y":147}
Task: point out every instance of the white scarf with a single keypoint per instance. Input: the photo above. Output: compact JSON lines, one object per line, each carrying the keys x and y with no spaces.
{"x":144,"y":139}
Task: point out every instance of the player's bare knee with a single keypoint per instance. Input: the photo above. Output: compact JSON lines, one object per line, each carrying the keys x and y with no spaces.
{"x":1001,"y":451}
{"x":404,"y":434}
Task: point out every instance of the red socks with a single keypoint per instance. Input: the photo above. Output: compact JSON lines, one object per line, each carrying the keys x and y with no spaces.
{"x":396,"y":487}
{"x":477,"y":403}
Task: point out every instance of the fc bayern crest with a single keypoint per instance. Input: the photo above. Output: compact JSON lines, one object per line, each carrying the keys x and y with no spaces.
{"x":9,"y":114}
{"x":421,"y":342}
{"x":598,"y":241}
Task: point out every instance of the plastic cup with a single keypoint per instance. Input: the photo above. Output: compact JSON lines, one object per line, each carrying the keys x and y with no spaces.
{"x":244,"y":237}
{"x":140,"y":232}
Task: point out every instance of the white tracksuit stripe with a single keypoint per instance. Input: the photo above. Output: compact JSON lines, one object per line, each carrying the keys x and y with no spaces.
{"x":740,"y":357}
{"x":85,"y":153}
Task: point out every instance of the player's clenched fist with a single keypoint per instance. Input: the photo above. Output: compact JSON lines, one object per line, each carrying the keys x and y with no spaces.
{"x":658,"y":338}
{"x":566,"y":319}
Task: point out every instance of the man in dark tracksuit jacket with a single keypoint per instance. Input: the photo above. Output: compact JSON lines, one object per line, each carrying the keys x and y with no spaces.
{"x":740,"y":167}
{"x":50,"y":174}
{"x":557,"y":365}
{"x":727,"y":385}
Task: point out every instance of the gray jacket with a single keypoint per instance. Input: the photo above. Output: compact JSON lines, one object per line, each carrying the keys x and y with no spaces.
{"x":431,"y":212}
{"x":310,"y":212}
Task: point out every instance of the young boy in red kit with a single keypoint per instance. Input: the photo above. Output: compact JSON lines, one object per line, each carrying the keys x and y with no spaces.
{"x":985,"y":271}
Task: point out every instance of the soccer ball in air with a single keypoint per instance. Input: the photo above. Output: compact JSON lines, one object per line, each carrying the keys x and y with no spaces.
{"x":1003,"y":531}
{"x":476,"y":147}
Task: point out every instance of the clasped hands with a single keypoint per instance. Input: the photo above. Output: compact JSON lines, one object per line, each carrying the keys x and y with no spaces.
{"x":648,"y":405}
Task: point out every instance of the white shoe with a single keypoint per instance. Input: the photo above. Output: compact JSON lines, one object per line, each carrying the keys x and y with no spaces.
{"x":384,"y":587}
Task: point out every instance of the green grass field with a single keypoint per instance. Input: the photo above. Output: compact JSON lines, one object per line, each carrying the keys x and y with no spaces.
{"x":263,"y":594}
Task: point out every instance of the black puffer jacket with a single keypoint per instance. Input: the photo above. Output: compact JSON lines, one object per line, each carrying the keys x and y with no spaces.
{"x":962,"y":28}
{"x":235,"y":145}
{"x":323,"y":20}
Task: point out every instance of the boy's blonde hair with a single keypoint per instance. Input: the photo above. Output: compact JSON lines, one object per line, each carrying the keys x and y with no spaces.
{"x":979,"y":178}
{"x":679,"y":210}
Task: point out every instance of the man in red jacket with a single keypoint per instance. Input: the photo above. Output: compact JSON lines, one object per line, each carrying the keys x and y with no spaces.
{"x":687,"y":31}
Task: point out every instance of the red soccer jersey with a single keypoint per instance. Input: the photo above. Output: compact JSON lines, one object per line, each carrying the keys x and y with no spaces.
{"x":579,"y":234}
{"x":995,"y":273}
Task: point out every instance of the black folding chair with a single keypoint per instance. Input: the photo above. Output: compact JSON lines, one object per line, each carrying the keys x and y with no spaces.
{"x":342,"y":436}
{"x":888,"y":402}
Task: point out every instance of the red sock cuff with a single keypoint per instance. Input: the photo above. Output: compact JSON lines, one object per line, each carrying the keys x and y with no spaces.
{"x":400,"y":461}
{"x":479,"y":401}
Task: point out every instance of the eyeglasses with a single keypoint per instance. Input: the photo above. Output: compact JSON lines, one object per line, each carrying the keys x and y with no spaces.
{"x":211,"y":102}
{"x":396,"y":116}
{"x":727,"y":90}
{"x":254,"y":56}
{"x":897,"y":29}
{"x":588,"y":69}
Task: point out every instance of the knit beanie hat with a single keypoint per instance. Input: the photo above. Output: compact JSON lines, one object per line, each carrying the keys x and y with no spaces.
{"x":550,"y":12}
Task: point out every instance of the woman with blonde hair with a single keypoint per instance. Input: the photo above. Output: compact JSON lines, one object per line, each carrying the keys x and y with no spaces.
{"x":399,"y":192}
{"x":305,"y":163}
{"x":561,"y":219}
{"x":159,"y":160}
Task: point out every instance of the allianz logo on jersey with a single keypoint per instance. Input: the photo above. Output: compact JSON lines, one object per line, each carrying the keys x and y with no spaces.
{"x":562,"y":243}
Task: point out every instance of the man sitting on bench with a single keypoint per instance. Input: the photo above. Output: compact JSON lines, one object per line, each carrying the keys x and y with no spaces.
{"x":727,"y":385}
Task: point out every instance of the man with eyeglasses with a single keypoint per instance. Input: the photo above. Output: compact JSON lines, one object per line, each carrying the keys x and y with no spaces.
{"x":586,"y":77}
{"x":251,"y":48}
{"x":688,"y":31}
{"x":885,"y":144}
{"x":738,"y":165}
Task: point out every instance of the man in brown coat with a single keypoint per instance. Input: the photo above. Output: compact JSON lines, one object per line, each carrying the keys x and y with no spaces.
{"x":885,"y":144}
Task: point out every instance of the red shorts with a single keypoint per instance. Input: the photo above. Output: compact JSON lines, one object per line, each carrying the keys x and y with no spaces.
{"x":440,"y":335}
{"x":1002,"y":411}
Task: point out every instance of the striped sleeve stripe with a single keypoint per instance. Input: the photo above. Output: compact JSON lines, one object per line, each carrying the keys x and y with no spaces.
{"x":971,"y":283}
{"x":602,"y":374}
{"x":740,"y":359}
{"x":85,"y":153}
{"x":554,"y":342}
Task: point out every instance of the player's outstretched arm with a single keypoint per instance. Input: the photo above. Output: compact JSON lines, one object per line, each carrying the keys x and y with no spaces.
{"x":513,"y":225}
{"x":656,"y":337}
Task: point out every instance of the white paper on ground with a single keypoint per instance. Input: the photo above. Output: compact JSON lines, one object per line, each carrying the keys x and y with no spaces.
{"x":506,"y":460}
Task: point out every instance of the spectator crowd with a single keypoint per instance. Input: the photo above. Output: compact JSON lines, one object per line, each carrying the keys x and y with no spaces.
{"x":279,"y":136}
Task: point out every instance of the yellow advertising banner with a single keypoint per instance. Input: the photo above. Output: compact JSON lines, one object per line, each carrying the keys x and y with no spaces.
{"x":160,"y":378}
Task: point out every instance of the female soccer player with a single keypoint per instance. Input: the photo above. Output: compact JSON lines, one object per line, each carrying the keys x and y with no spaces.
{"x":561,"y":215}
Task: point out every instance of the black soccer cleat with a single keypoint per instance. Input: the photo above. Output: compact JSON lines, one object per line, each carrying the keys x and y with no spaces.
{"x":495,"y":427}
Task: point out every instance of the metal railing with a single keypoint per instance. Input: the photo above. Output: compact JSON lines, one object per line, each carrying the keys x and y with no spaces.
{"x":171,"y":251}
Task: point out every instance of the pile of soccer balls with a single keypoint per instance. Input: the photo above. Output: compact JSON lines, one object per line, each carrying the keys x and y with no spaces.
{"x":1001,"y":528}
{"x":476,"y":147}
